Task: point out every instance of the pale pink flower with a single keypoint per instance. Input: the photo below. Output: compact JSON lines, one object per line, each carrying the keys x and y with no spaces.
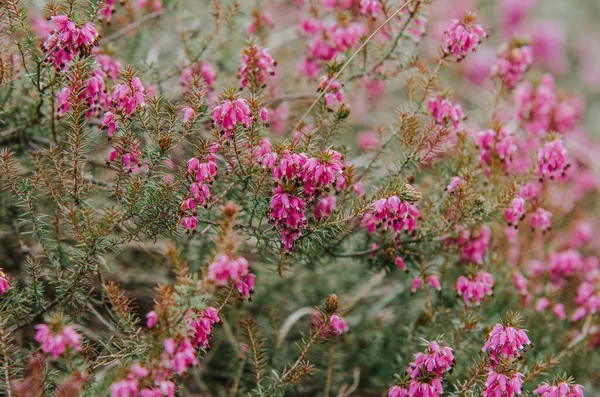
{"x":473,"y":290}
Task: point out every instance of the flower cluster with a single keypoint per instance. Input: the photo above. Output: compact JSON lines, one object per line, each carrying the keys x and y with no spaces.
{"x":499,"y":384}
{"x":541,"y":219}
{"x":225,"y":268}
{"x":392,"y":213}
{"x":129,"y":154}
{"x":57,"y":343}
{"x":506,"y":341}
{"x":473,"y":290}
{"x":473,"y":246}
{"x":256,"y":64}
{"x":463,"y":35}
{"x":562,"y":389}
{"x":67,"y":40}
{"x":426,"y":373}
{"x":231,"y":113}
{"x":501,"y":143}
{"x":287,"y":212}
{"x":328,"y":40}
{"x":515,"y":213}
{"x":201,"y":174}
{"x":444,"y":111}
{"x":552,"y":160}
{"x":513,"y":62}
{"x":201,"y":324}
{"x":333,"y":90}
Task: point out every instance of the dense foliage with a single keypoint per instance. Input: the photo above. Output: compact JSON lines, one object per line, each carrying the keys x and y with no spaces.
{"x":310,"y":197}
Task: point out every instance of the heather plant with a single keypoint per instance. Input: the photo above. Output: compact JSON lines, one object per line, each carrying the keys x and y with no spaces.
{"x":309,"y":197}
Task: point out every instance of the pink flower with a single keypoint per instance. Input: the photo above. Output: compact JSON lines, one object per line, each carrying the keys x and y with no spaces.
{"x":516,"y":212}
{"x":444,"y":111}
{"x":416,"y":283}
{"x":333,"y":91}
{"x":225,"y":268}
{"x":109,"y":122}
{"x":127,"y":97}
{"x":260,"y":21}
{"x":506,"y":341}
{"x":513,"y":13}
{"x":324,"y":207}
{"x":318,"y":173}
{"x":434,"y":281}
{"x":474,"y":247}
{"x":548,"y":41}
{"x":541,"y":219}
{"x":559,"y":311}
{"x":562,"y":389}
{"x":400,"y":263}
{"x":188,"y":114}
{"x":392,"y":213}
{"x":63,"y":100}
{"x":435,"y":361}
{"x":201,"y":71}
{"x":520,"y":282}
{"x":67,"y":40}
{"x":535,"y":105}
{"x":368,"y":141}
{"x":338,"y":324}
{"x":499,"y":384}
{"x":455,"y":182}
{"x":230,"y":114}
{"x":151,"y":319}
{"x":372,"y":7}
{"x":475,"y":289}
{"x":4,"y":284}
{"x":552,"y":160}
{"x":462,"y":36}
{"x":56,"y":344}
{"x":358,"y":189}
{"x":201,"y":324}
{"x":513,"y":62}
{"x":397,"y":391}
{"x":256,"y":64}
{"x":130,"y":154}
{"x":287,"y":212}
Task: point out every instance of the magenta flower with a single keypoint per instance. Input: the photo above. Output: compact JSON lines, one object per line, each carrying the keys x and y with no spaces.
{"x":444,"y":111}
{"x":562,"y":389}
{"x":230,"y":114}
{"x":498,"y":384}
{"x":68,"y":39}
{"x":4,"y":284}
{"x":506,"y":341}
{"x":201,"y":325}
{"x":324,"y":207}
{"x":287,"y":212}
{"x":151,"y":319}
